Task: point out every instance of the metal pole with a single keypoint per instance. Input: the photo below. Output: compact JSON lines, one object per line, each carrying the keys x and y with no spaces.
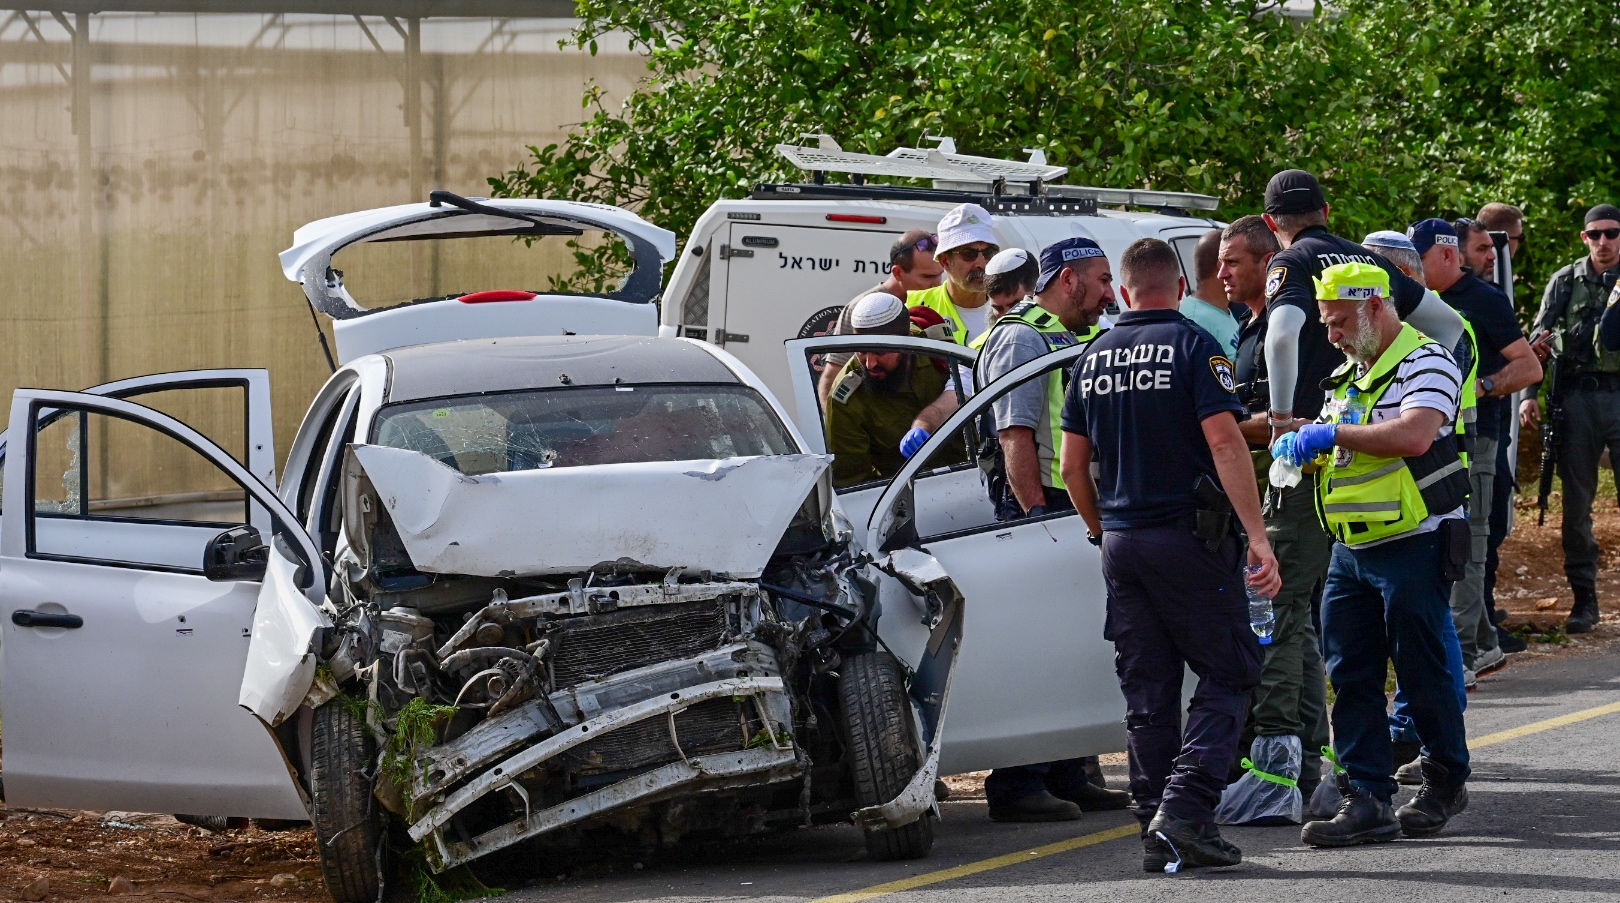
{"x":413,"y":121}
{"x":91,"y":309}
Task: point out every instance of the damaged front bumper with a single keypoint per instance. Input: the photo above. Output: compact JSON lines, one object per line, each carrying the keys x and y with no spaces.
{"x":496,"y":756}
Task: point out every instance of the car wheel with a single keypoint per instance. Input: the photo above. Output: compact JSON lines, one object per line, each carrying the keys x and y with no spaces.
{"x":348,"y":823}
{"x":883,"y":752}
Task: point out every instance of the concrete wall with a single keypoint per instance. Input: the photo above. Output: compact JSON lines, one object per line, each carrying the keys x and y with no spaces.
{"x":141,"y":207}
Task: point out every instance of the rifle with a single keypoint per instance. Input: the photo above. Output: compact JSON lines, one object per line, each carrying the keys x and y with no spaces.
{"x":1552,"y":430}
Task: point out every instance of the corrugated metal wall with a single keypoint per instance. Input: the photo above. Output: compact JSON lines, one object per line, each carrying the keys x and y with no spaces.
{"x":141,"y":207}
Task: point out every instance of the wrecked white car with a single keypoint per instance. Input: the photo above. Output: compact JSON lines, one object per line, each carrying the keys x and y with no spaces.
{"x":527,"y":581}
{"x":528,"y":574}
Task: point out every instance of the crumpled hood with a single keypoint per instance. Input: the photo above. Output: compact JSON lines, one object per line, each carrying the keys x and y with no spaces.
{"x":723,"y":516}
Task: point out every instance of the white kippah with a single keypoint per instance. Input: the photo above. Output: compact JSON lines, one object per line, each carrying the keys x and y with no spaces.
{"x":876,"y":310}
{"x":1006,"y":261}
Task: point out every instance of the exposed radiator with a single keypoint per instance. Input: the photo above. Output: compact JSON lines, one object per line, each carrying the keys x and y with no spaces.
{"x":589,"y":648}
{"x":717,"y":725}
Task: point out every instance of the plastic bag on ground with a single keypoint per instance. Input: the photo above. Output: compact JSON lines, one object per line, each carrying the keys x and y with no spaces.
{"x":1268,"y":794}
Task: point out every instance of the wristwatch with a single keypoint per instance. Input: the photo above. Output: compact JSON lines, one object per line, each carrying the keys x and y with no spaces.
{"x":1486,"y":384}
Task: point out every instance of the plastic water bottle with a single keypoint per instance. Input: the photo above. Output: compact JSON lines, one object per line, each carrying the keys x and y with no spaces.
{"x":1355,"y":410}
{"x":1262,"y":620}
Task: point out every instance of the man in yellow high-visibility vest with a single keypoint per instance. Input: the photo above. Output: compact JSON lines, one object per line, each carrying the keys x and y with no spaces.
{"x":966,"y":244}
{"x":1390,"y":490}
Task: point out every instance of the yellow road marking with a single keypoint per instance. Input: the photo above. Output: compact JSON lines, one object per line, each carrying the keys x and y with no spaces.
{"x":983,"y":865}
{"x":1064,"y":846}
{"x":1539,"y":726}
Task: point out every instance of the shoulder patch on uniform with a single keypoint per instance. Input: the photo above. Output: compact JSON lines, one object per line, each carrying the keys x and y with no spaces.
{"x":1274,"y":280}
{"x":846,"y":385}
{"x":1224,"y":373}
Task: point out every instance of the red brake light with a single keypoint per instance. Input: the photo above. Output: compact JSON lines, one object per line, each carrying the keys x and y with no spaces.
{"x":856,"y":218}
{"x":504,"y":294}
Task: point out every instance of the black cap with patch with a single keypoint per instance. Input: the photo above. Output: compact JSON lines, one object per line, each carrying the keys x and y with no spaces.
{"x":1294,"y":191}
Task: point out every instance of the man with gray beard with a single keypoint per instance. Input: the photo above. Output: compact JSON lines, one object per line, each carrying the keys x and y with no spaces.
{"x":1391,"y":490}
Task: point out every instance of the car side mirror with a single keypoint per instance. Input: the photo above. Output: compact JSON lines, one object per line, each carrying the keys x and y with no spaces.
{"x":236,"y":554}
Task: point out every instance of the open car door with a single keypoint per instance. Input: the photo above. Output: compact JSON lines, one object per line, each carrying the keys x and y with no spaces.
{"x":955,"y":483}
{"x":122,"y":664}
{"x":1035,"y":680}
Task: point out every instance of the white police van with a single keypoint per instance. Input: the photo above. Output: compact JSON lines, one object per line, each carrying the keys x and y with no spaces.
{"x":780,"y":264}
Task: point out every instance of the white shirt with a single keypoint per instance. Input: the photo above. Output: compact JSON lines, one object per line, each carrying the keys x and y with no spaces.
{"x":1429,"y":378}
{"x":975,"y":319}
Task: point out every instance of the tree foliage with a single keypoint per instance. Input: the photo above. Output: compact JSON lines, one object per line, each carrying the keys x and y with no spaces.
{"x":1404,"y":110}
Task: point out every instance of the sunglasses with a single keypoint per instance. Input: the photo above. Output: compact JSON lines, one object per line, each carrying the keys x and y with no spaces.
{"x":1595,"y":234}
{"x":927,"y":244}
{"x":968,"y":255}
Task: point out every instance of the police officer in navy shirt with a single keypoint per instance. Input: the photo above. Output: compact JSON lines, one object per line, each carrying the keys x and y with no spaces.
{"x":1150,"y":439}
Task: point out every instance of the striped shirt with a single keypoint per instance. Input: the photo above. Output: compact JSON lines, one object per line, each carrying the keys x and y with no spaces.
{"x":1428,"y":378}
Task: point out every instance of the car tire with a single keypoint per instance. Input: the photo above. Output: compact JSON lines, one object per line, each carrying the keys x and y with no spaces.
{"x":882,"y":746}
{"x":348,"y":822}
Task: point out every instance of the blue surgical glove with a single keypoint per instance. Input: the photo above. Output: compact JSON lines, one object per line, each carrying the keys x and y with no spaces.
{"x":1314,"y":439}
{"x":1283,"y":448}
{"x":914,"y":440}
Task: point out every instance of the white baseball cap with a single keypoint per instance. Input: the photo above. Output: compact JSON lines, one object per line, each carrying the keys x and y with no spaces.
{"x":964,"y":224}
{"x":1006,"y":260}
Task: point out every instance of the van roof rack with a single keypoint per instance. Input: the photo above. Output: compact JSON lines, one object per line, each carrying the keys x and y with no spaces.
{"x":988,"y":195}
{"x":918,"y":162}
{"x":1000,"y":186}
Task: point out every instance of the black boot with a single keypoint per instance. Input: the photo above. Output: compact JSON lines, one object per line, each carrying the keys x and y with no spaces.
{"x":1584,"y":616}
{"x":1510,"y":643}
{"x":1436,"y":802}
{"x":1091,"y":798}
{"x":1185,"y":843}
{"x":1362,"y":818}
{"x":1038,"y":806}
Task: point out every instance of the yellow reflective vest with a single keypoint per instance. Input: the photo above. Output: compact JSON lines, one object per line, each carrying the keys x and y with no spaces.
{"x":1362,"y":498}
{"x":938,"y":300}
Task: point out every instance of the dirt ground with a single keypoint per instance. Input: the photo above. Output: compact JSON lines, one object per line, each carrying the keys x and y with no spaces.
{"x":60,"y":856}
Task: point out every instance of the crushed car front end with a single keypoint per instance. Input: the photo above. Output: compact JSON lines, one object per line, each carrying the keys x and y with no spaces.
{"x":613,"y":593}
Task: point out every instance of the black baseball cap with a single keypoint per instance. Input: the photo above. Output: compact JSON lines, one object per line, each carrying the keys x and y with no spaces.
{"x":1294,"y":191}
{"x":1601,"y":212}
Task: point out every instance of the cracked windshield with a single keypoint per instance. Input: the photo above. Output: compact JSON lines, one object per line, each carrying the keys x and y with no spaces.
{"x":589,"y":425}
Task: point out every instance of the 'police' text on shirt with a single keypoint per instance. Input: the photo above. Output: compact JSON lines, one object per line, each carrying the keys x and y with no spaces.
{"x":1142,"y":368}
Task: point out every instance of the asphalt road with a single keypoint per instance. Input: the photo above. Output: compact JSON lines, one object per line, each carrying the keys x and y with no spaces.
{"x":1543,"y":824}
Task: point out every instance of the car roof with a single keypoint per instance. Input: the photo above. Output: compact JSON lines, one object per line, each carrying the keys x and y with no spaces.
{"x":547,"y":362}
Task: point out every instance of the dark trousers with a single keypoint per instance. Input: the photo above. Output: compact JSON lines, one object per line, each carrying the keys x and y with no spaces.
{"x":1172,"y":602}
{"x":1292,"y":696}
{"x":1501,"y":511}
{"x":1381,"y":603}
{"x":1591,"y":425}
{"x":1063,"y":777}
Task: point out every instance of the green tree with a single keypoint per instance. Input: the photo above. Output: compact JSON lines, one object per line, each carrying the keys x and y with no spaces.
{"x":1404,"y":110}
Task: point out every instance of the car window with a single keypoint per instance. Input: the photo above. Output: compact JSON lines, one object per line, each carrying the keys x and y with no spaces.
{"x":572,"y":427}
{"x":1185,"y":246}
{"x":101,"y":467}
{"x":867,"y":413}
{"x":218,"y":412}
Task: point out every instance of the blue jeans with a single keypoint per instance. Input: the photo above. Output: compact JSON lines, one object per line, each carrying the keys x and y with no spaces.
{"x":1401,"y":727}
{"x":1381,"y":603}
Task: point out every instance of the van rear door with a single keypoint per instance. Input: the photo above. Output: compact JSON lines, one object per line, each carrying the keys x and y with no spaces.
{"x":790,"y":282}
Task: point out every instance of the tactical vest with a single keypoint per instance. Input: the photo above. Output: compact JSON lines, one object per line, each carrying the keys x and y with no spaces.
{"x":1362,"y":498}
{"x":1057,"y":336}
